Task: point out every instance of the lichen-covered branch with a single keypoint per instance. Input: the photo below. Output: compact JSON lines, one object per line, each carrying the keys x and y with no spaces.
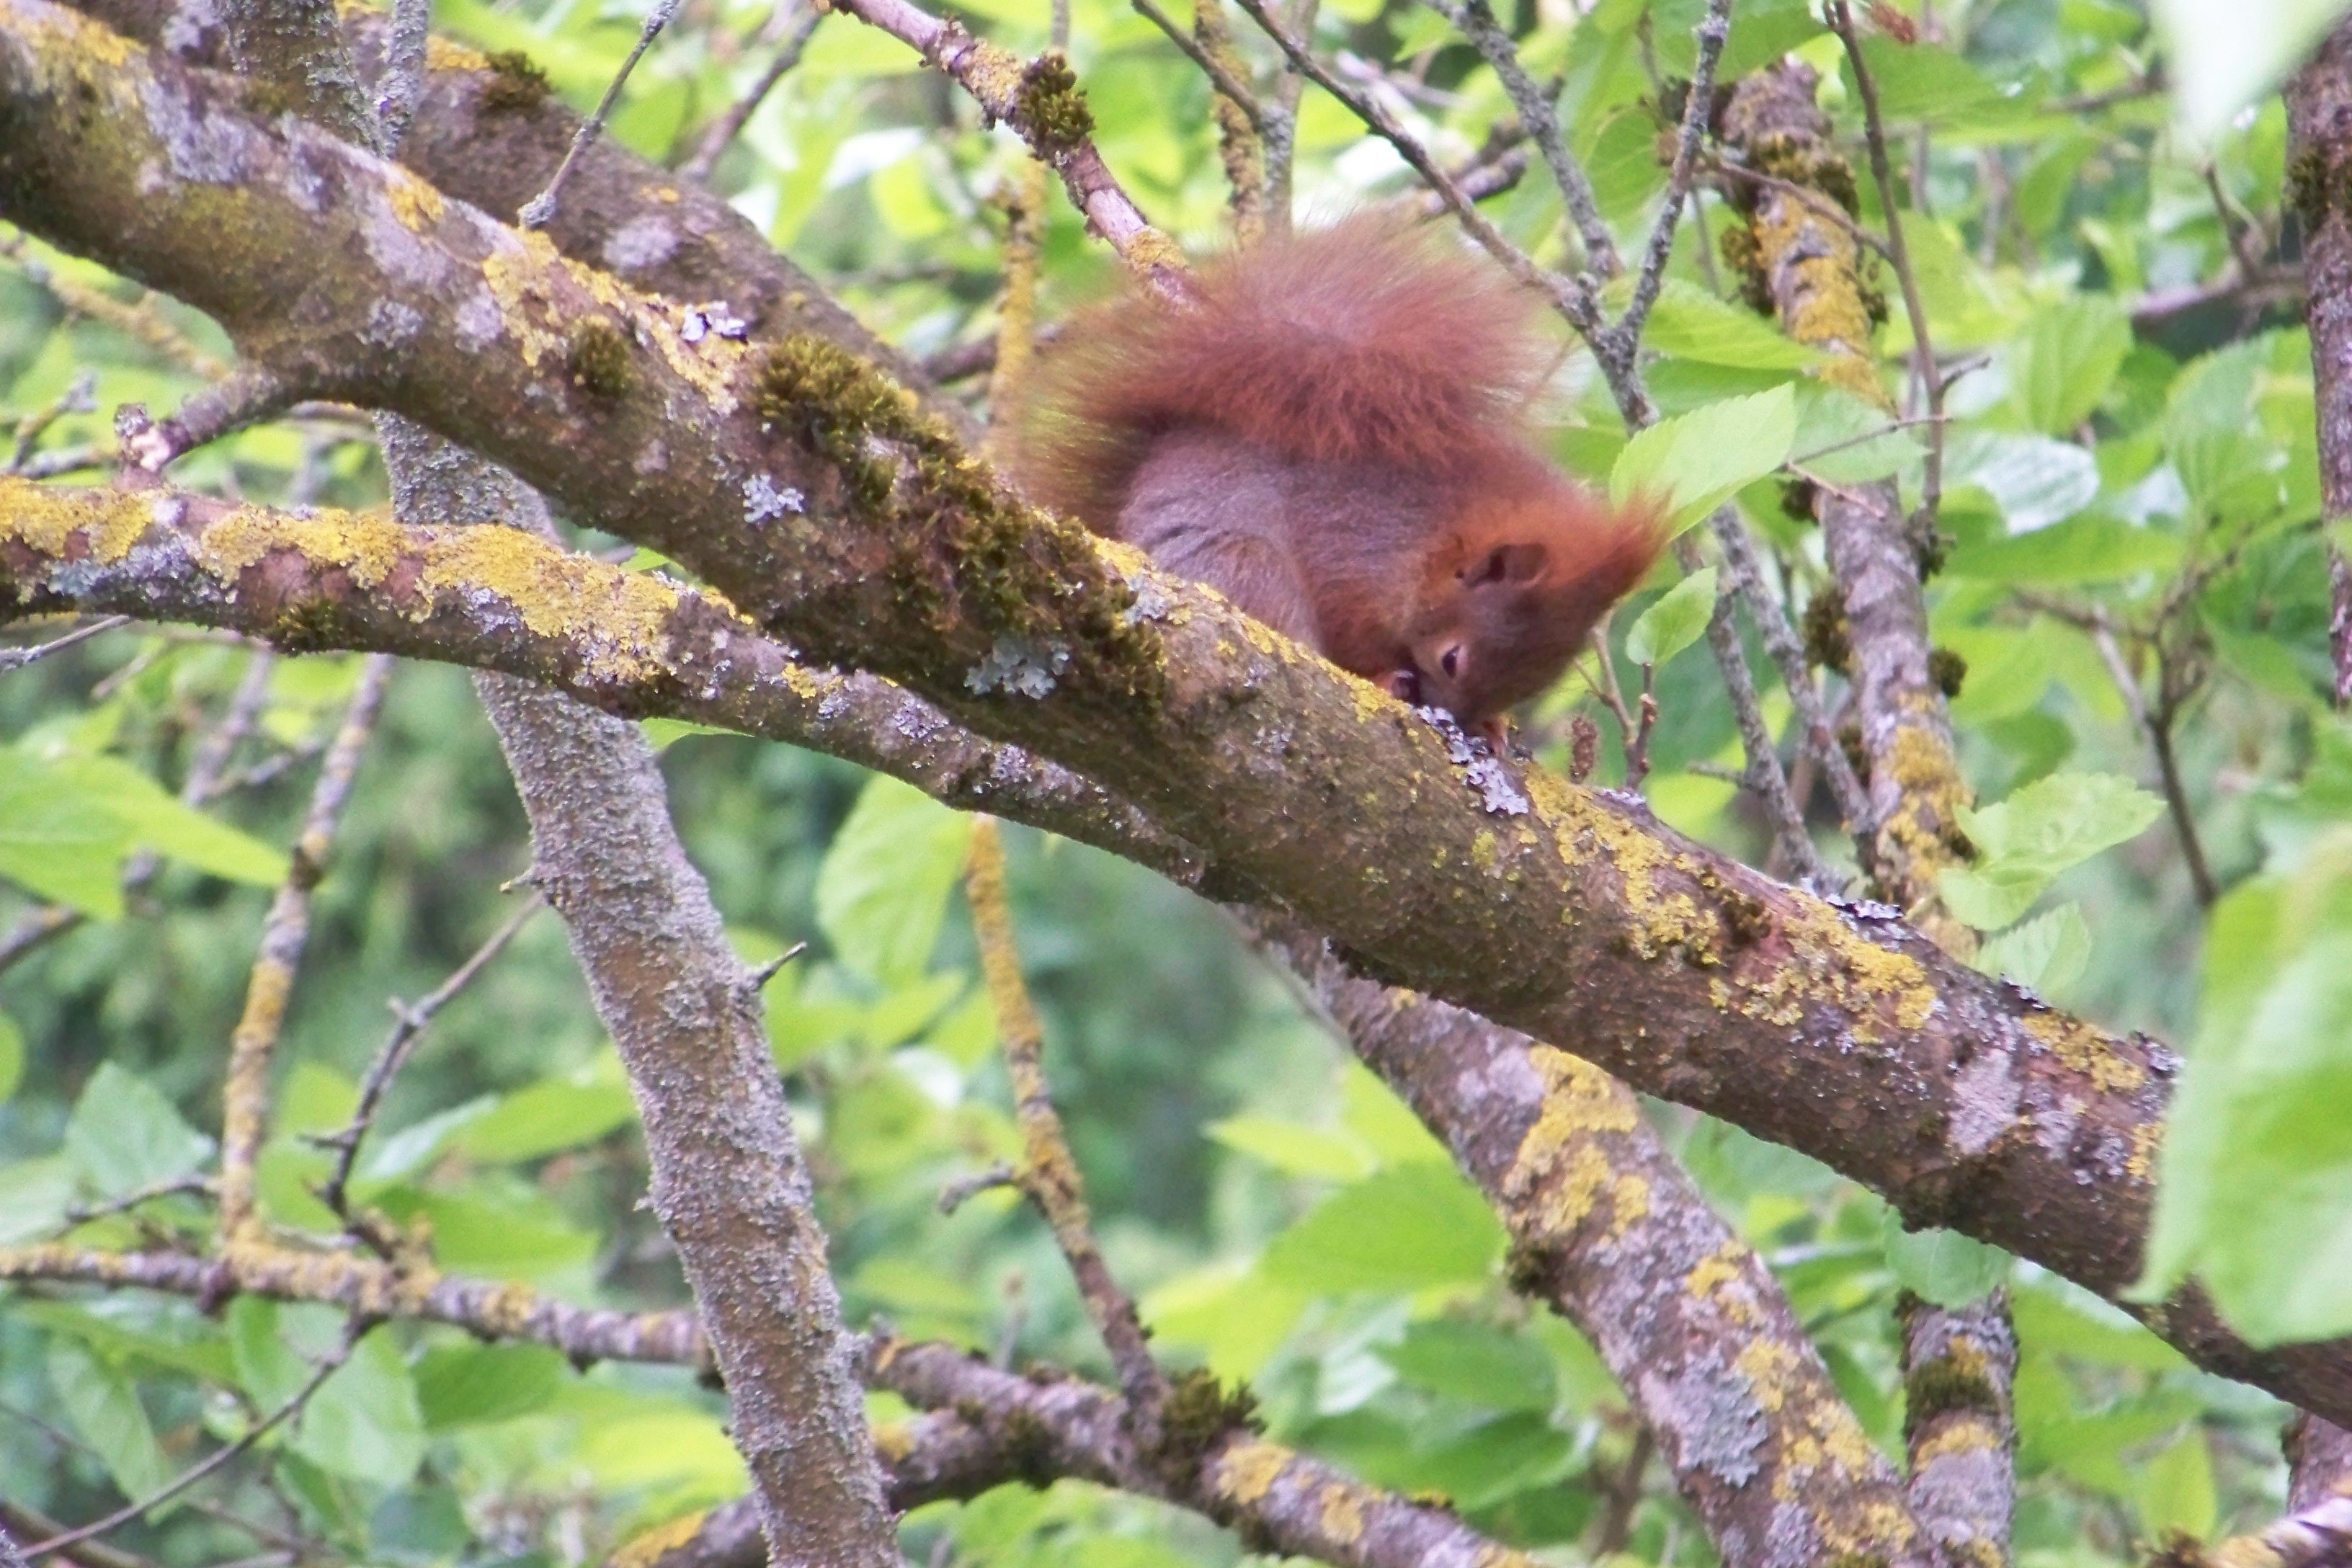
{"x":1039,"y":98}
{"x":285,"y":932}
{"x":490,"y":1309}
{"x":1809,"y":272}
{"x":1834,"y":1028}
{"x":1608,"y":1229}
{"x":632,"y":644}
{"x":728,"y":1182}
{"x":1280,"y":1501}
{"x":1960,"y":1424}
{"x":1049,"y":1175}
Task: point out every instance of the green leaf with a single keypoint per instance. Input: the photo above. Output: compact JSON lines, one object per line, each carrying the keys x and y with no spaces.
{"x":882,"y":892}
{"x":1705,"y":458}
{"x":1847,"y":441}
{"x":2041,"y":831}
{"x":2061,"y":370}
{"x":552,"y":1114}
{"x":2255,"y":1199}
{"x":2046,"y":953}
{"x":1946,"y":1268}
{"x":2035,"y":480}
{"x":1475,"y":1364}
{"x":12,"y":1058}
{"x":364,"y":1423}
{"x":2176,"y":1490}
{"x":1403,"y":1229}
{"x":157,"y":820}
{"x":103,"y":1409}
{"x":474,"y":1386}
{"x":124,"y":1134}
{"x":1496,"y":1458}
{"x":57,"y":844}
{"x":1675,"y":621}
{"x":2087,"y":549}
{"x":1688,"y":322}
{"x":1294,"y":1148}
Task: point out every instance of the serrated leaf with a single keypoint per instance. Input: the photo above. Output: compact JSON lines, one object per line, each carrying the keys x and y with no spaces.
{"x":2176,"y":1490}
{"x":1847,"y":441}
{"x":363,"y":1422}
{"x":1688,"y":322}
{"x":57,"y":843}
{"x":124,"y":1134}
{"x":2061,"y":368}
{"x":2255,"y":1198}
{"x":1403,"y":1229}
{"x":2046,"y":953}
{"x":882,"y":892}
{"x":2035,"y":480}
{"x":2026,"y":842}
{"x":1675,"y":621}
{"x":1705,"y":458}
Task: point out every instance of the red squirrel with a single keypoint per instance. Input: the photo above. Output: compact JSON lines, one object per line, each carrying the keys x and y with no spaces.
{"x":1333,"y":433}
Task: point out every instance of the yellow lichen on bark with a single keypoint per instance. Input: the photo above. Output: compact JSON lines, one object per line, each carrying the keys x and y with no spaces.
{"x":1245,"y":1472}
{"x":47,"y":521}
{"x":1343,"y":1514}
{"x":2085,"y":1050}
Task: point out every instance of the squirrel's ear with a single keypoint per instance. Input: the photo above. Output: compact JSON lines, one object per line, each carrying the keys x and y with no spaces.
{"x":1508,"y":564}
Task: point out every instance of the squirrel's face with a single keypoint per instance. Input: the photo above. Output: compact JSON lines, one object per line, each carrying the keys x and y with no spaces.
{"x":1489,"y":633}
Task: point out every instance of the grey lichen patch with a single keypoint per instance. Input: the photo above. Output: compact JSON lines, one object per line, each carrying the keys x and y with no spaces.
{"x":640,"y":244}
{"x":765,"y":500}
{"x":1497,"y":791}
{"x":208,"y":149}
{"x":1022,"y":668}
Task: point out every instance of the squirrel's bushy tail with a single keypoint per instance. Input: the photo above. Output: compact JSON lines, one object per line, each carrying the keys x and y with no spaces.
{"x":1366,"y":341}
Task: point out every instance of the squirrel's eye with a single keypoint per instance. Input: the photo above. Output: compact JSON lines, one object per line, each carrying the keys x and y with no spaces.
{"x":1450,"y":661}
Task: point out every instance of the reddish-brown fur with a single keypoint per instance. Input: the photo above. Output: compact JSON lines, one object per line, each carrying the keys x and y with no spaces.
{"x":1334,"y":433}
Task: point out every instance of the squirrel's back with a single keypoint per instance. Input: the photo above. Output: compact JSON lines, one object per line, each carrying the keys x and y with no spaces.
{"x":1365,"y":341}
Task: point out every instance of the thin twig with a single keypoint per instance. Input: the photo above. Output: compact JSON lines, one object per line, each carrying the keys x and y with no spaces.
{"x":177,"y":1186}
{"x":1573,"y":296}
{"x":1008,"y":90}
{"x":1475,"y":19}
{"x":245,"y":1095}
{"x":403,"y":83}
{"x":14,"y":658}
{"x":539,"y":211}
{"x":1713,"y":31}
{"x":78,"y":398}
{"x":409,"y":1023}
{"x":327,"y":1368}
{"x":1227,"y":85}
{"x":2156,"y":724}
{"x":1048,"y":1175}
{"x":730,"y":125}
{"x":238,"y":401}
